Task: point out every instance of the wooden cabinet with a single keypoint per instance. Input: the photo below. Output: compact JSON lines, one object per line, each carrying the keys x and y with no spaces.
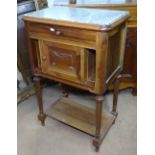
{"x":72,"y":57}
{"x":79,"y":50}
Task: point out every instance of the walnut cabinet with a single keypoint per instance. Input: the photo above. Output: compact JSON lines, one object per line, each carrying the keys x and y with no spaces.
{"x":79,"y":48}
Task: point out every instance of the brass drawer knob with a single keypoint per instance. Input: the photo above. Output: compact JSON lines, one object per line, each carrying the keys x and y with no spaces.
{"x":57,"y":32}
{"x":52,"y":29}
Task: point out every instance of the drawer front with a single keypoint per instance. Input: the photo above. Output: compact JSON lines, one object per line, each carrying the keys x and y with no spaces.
{"x":59,"y":32}
{"x":62,"y":61}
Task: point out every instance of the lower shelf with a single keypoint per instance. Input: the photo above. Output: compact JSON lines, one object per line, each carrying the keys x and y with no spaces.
{"x":78,"y":116}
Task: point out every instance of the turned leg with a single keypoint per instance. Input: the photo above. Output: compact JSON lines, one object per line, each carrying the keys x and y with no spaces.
{"x":65,"y":90}
{"x":115,"y":96}
{"x":121,"y":77}
{"x":41,"y":115}
{"x":96,"y":141}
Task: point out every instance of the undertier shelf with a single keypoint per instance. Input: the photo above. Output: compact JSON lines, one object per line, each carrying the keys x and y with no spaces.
{"x":79,"y":116}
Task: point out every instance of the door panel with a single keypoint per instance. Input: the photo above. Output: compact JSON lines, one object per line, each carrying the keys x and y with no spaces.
{"x":61,"y":60}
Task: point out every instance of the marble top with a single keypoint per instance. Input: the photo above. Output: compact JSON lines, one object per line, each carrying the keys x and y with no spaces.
{"x":73,"y":15}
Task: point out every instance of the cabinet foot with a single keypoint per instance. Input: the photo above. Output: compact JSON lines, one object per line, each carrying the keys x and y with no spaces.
{"x":115,"y":114}
{"x":65,"y":90}
{"x":42,"y":117}
{"x":65,"y":94}
{"x":97,"y":148}
{"x":96,"y":143}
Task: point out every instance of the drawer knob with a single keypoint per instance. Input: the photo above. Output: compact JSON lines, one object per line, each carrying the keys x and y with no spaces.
{"x":52,"y":29}
{"x":58,"y":33}
{"x":44,"y":58}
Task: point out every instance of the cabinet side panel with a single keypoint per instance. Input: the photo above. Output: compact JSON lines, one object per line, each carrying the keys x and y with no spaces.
{"x":116,"y":50}
{"x":113,"y":54}
{"x":130,"y":59}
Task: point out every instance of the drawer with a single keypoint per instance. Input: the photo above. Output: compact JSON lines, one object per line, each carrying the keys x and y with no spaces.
{"x":46,"y":31}
{"x":63,"y":61}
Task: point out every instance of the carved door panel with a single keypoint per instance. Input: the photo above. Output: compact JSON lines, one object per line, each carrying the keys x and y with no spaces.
{"x":63,"y":61}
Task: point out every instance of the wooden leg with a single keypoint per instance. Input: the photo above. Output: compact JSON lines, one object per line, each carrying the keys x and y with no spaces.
{"x":121,"y":77}
{"x":65,"y":90}
{"x":41,"y":115}
{"x":115,"y":95}
{"x":96,"y":141}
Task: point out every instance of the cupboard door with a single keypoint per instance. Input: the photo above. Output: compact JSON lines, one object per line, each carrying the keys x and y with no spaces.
{"x":63,"y":61}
